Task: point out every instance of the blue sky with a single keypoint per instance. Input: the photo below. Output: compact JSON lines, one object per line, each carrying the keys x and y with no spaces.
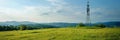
{"x":58,"y":10}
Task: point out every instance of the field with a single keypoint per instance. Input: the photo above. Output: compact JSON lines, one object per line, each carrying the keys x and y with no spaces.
{"x":63,"y":34}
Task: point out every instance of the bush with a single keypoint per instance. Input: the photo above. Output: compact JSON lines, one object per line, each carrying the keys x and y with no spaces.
{"x":100,"y":25}
{"x":80,"y":25}
{"x":22,"y":27}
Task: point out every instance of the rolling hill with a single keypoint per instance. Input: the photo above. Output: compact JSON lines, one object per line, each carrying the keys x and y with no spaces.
{"x":57,"y":24}
{"x":110,"y":24}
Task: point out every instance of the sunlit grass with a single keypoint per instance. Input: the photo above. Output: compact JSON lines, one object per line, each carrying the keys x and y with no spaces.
{"x":63,"y":34}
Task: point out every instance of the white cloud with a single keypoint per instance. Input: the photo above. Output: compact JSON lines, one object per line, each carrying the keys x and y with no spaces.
{"x":60,"y":11}
{"x":62,"y":8}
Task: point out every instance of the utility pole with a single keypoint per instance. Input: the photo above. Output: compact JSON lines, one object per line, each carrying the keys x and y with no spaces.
{"x":88,"y":21}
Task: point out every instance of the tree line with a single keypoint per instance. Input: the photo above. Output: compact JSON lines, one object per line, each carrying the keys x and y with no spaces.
{"x":91,"y":26}
{"x":19,"y":27}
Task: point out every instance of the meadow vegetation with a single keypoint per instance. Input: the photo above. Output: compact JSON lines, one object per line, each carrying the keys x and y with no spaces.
{"x":79,"y":33}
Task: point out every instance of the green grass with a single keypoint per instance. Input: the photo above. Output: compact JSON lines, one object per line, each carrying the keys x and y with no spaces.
{"x":63,"y":34}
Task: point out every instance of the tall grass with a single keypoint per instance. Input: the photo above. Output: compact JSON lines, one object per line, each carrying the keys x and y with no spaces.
{"x":63,"y":34}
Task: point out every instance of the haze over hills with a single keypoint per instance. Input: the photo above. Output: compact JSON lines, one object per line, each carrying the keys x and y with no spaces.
{"x":56,"y":24}
{"x":112,"y":23}
{"x":16,"y":23}
{"x":62,"y":24}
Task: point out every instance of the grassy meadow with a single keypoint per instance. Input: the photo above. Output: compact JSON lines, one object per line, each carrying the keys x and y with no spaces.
{"x":63,"y":34}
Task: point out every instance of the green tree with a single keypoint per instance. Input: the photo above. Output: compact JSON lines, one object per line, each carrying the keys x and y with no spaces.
{"x":100,"y":25}
{"x":80,"y":25}
{"x":22,"y":27}
{"x":1,"y":28}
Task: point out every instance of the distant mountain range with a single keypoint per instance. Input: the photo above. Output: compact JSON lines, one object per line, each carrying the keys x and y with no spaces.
{"x":57,"y":24}
{"x":62,"y":24}
{"x":110,"y":24}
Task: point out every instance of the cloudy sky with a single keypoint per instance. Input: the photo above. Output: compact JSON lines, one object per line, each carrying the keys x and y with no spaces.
{"x":58,"y":10}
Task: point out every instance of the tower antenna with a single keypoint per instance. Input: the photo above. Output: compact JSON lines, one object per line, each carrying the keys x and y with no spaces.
{"x":88,"y":21}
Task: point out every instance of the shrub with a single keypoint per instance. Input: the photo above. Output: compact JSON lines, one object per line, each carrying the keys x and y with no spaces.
{"x":80,"y":25}
{"x":22,"y":27}
{"x":100,"y":25}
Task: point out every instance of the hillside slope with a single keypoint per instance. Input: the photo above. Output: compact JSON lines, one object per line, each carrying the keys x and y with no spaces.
{"x":63,"y":34}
